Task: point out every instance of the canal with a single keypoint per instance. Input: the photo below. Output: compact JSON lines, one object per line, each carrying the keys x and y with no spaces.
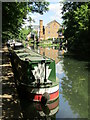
{"x":72,"y":73}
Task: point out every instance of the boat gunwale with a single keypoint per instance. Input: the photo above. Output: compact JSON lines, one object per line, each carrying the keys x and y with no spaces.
{"x":41,"y":85}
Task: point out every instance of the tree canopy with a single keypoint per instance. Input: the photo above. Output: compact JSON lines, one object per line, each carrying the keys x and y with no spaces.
{"x":14,"y":14}
{"x":76,"y":17}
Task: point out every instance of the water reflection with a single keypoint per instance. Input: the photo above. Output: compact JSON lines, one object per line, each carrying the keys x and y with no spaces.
{"x":73,"y":87}
{"x":37,"y":111}
{"x":49,"y":52}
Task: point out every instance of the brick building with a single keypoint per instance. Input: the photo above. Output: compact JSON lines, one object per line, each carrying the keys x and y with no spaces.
{"x":50,"y":31}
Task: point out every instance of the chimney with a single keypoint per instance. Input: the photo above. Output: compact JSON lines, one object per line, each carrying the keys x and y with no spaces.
{"x":41,"y":29}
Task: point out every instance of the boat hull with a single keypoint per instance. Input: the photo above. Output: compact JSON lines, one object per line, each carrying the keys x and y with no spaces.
{"x":36,"y":94}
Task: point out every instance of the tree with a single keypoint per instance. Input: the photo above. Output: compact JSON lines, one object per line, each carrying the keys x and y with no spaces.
{"x":76,"y":21}
{"x":14,"y":14}
{"x":23,"y":33}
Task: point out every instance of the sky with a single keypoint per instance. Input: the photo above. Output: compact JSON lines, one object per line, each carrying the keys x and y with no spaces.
{"x":54,"y":13}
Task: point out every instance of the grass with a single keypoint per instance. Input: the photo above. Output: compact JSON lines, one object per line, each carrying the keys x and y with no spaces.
{"x":48,"y":44}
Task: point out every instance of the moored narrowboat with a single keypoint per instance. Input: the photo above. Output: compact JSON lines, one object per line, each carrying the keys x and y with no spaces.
{"x":35,"y":75}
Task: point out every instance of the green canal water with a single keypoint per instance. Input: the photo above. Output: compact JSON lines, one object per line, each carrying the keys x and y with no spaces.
{"x":73,"y":89}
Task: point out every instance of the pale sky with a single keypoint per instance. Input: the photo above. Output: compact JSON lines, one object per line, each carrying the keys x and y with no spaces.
{"x":54,"y":13}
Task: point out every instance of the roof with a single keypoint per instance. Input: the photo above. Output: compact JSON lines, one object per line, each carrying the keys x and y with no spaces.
{"x":25,"y":53}
{"x":52,"y":21}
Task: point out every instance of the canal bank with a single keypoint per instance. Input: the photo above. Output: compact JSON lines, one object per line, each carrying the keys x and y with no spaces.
{"x":10,"y":103}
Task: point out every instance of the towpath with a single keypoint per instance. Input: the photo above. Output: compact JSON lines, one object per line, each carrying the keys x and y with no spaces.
{"x":9,"y":105}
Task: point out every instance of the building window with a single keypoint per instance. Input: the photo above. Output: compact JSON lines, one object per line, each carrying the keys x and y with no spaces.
{"x":48,"y":26}
{"x":49,"y":32}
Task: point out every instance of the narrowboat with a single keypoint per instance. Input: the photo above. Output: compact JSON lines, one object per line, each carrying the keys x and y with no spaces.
{"x":14,"y":43}
{"x":35,"y":75}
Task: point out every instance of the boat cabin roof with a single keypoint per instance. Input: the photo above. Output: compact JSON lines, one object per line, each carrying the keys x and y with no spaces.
{"x":27,"y":54}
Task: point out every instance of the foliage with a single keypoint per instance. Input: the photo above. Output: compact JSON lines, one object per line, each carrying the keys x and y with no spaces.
{"x":48,"y":44}
{"x":23,"y":33}
{"x":35,"y":34}
{"x":76,"y":22}
{"x":50,"y":38}
{"x":60,"y":30}
{"x":14,"y":14}
{"x":30,"y":42}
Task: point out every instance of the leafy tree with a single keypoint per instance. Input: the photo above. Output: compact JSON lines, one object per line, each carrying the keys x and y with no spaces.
{"x":76,"y":21}
{"x":14,"y":14}
{"x":23,"y":33}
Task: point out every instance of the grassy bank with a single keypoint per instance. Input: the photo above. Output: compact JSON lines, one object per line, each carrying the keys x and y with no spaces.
{"x":48,"y":45}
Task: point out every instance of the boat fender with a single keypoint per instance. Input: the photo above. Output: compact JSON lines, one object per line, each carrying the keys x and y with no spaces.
{"x":45,"y":109}
{"x":45,"y":98}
